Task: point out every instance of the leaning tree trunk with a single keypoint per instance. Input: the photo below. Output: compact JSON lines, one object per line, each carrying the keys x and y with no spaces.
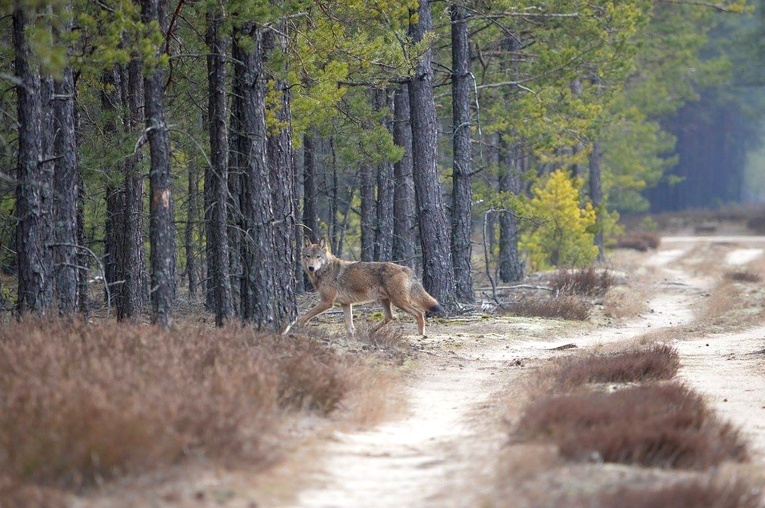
{"x":438,"y":273}
{"x":161,"y":232}
{"x":34,"y":175}
{"x":462,"y":189}
{"x":216,"y":175}
{"x":403,"y":191}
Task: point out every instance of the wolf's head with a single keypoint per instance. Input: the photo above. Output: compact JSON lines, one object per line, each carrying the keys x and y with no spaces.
{"x":314,"y":255}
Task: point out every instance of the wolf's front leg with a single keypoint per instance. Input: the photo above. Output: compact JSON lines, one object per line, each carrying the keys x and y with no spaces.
{"x":348,"y":314}
{"x":320,"y":307}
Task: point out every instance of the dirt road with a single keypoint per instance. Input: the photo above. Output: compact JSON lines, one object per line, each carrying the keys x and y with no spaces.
{"x":441,"y":451}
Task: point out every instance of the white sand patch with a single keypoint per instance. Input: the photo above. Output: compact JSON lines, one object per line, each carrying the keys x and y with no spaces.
{"x":740,"y":257}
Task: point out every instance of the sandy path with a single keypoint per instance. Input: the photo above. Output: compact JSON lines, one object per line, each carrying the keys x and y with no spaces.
{"x":439,"y":451}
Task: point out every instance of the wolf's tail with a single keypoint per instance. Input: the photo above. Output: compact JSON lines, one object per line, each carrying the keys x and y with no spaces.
{"x":424,"y":300}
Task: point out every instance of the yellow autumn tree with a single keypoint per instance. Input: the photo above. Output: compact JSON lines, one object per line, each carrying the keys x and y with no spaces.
{"x":562,"y":234}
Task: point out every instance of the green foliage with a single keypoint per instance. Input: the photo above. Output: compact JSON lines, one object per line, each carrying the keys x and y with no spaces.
{"x":562,"y":234}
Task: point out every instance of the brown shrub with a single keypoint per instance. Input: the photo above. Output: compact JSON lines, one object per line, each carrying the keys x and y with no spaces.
{"x":561,"y":307}
{"x":656,"y":425}
{"x":756,"y":224}
{"x":80,"y":402}
{"x":696,"y":493}
{"x":640,"y":241}
{"x":586,"y":282}
{"x":743,"y":276}
{"x":655,"y":362}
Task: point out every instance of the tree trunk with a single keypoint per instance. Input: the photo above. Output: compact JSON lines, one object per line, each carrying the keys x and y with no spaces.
{"x":511,"y":266}
{"x":65,"y":197}
{"x":191,"y":220}
{"x":236,"y":199}
{"x":161,"y":233}
{"x":310,"y":190}
{"x":462,"y":190}
{"x":368,"y":212}
{"x":131,"y":269}
{"x":438,"y":273}
{"x":596,"y":195}
{"x":403,"y":192}
{"x":35,"y":175}
{"x":385,"y":190}
{"x":216,"y":175}
{"x":281,"y":163}
{"x":257,"y":243}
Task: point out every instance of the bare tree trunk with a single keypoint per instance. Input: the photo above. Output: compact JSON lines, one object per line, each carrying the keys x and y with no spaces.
{"x":385,"y":189}
{"x":132,"y":270}
{"x":237,"y":150}
{"x":368,"y":212}
{"x":438,"y":273}
{"x":310,"y":190}
{"x":35,"y":176}
{"x":191,"y":220}
{"x":216,"y":175}
{"x":161,"y":232}
{"x":462,"y":189}
{"x":281,"y":162}
{"x":511,"y":266}
{"x":403,"y":192}
{"x":596,"y":195}
{"x":66,"y":180}
{"x":257,"y":209}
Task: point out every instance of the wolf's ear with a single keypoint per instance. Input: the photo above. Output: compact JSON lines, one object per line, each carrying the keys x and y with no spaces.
{"x":307,"y":241}
{"x":323,"y":243}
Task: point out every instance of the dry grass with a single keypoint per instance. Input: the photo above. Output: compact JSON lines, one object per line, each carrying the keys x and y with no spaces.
{"x":561,"y":307}
{"x":656,"y":425}
{"x":724,"y":298}
{"x":80,"y":403}
{"x":586,"y":282}
{"x":656,"y":362}
{"x":694,"y":493}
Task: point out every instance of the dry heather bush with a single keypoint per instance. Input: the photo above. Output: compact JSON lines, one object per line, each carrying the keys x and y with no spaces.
{"x":640,"y":241}
{"x":561,"y":307}
{"x":696,"y":493}
{"x":586,"y":282}
{"x":743,"y":276}
{"x":656,"y":425}
{"x":655,"y":362}
{"x":81,"y":402}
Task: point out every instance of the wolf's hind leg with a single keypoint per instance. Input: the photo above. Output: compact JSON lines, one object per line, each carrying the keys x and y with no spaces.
{"x":407,"y":307}
{"x":388,"y":310}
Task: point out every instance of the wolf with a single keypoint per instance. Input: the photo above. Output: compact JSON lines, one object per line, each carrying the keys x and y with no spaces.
{"x":349,"y":283}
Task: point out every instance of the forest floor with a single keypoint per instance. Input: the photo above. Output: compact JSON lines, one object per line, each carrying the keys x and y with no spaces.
{"x":447,"y":441}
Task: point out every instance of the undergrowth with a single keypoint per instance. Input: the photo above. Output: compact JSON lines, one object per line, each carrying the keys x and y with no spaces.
{"x":585,"y":282}
{"x":80,"y":403}
{"x":560,"y":307}
{"x":654,"y":425}
{"x":656,"y":362}
{"x":690,"y":493}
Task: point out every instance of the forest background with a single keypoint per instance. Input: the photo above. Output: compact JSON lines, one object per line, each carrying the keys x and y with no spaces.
{"x":149,"y":144}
